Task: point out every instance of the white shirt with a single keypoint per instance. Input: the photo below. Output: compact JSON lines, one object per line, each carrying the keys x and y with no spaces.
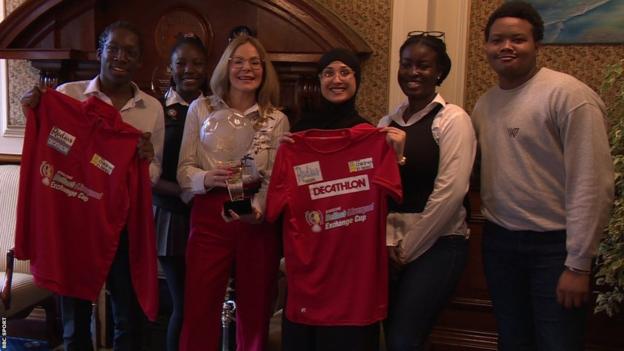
{"x":142,"y":111}
{"x":196,"y":158}
{"x":444,"y":214}
{"x":172,"y":97}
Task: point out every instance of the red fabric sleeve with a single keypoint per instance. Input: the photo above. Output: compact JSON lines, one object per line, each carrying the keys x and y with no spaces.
{"x":142,"y":238}
{"x":278,"y":186}
{"x":387,"y":175}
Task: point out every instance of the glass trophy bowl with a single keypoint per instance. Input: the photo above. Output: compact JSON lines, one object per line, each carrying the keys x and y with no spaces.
{"x":228,"y":135}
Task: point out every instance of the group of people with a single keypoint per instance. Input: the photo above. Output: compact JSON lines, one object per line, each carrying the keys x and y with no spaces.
{"x":546,"y":173}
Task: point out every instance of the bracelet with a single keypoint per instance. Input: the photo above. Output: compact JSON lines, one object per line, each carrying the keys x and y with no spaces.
{"x":402,"y":161}
{"x":577,"y":271}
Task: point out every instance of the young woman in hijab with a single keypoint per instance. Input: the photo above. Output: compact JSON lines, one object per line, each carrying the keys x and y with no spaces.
{"x":188,"y":82}
{"x":427,"y":234}
{"x":245,"y":87}
{"x":339,"y":75}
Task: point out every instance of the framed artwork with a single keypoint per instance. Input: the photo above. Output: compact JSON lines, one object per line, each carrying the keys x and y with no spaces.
{"x":582,"y":21}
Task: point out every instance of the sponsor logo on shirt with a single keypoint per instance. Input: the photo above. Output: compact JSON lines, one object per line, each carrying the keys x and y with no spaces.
{"x":64,"y":183}
{"x":360,"y":165}
{"x":315,"y":220}
{"x":60,"y":140}
{"x":101,"y":163}
{"x":308,"y":173}
{"x":513,"y":132}
{"x":339,"y":217}
{"x":339,"y":187}
{"x":47,"y":171}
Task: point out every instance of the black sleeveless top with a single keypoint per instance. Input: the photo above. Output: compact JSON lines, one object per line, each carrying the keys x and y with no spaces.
{"x":419,"y":173}
{"x":175,"y":115}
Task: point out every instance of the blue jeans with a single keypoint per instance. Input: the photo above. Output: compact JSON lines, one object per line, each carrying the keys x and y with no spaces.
{"x":127,"y":314}
{"x":522,"y":269}
{"x":420,"y":290}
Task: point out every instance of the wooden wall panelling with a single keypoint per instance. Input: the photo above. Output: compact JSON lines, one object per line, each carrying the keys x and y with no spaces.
{"x":295,"y":33}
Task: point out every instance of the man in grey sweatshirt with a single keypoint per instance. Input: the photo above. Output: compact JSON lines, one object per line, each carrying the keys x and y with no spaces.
{"x":546,"y":186}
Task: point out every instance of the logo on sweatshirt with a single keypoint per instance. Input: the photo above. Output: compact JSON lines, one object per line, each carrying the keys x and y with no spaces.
{"x":308,"y":173}
{"x":513,"y":132}
{"x":101,"y":163}
{"x":60,"y":140}
{"x":339,"y":187}
{"x":66,"y":184}
{"x":47,"y":172}
{"x":361,"y":165}
{"x":315,"y":220}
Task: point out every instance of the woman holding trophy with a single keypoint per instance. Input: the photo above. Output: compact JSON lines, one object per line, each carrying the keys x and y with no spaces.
{"x":225,"y":163}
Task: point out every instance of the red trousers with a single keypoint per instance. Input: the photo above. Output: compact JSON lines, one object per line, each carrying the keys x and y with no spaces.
{"x":212,"y":248}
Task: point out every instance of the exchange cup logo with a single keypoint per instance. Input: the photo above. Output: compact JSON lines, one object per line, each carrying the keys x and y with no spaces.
{"x":47,"y":171}
{"x":315,"y":220}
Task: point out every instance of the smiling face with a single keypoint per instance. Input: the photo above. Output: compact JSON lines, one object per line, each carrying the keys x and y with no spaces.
{"x":119,"y":57}
{"x":338,"y":82}
{"x":512,"y":51}
{"x":245,"y":69}
{"x":188,"y":70}
{"x":418,"y":72}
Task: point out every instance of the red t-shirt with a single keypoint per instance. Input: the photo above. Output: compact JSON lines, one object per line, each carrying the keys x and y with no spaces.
{"x":332,"y":188}
{"x":81,"y":184}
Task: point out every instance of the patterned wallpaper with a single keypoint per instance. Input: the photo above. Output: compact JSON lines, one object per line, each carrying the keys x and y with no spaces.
{"x":585,"y":62}
{"x":22,"y":76}
{"x":371,"y":19}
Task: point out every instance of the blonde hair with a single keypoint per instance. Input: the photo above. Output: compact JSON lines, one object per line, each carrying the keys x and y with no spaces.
{"x":267,"y":95}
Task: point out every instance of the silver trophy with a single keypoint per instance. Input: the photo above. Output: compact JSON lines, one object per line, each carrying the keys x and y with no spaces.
{"x":228,"y":135}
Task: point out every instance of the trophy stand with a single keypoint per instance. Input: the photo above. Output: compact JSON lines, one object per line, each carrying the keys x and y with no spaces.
{"x":228,"y":319}
{"x":238,"y":202}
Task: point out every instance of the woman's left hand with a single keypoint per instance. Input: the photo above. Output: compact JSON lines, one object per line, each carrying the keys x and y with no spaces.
{"x":396,"y":139}
{"x":254,"y":217}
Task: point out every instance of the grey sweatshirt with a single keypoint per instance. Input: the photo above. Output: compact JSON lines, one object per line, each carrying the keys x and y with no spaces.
{"x":545,"y":160}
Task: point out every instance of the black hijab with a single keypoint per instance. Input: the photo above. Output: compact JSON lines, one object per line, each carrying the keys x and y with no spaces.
{"x":330,"y":115}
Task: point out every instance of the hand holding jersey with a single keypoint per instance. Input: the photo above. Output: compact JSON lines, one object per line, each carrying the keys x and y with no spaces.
{"x":30,"y":100}
{"x":395,"y":137}
{"x":332,"y":188}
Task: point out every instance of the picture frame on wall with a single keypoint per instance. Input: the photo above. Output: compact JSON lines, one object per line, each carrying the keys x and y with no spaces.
{"x":581,"y":21}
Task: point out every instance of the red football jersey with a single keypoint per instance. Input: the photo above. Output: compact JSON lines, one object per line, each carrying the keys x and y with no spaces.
{"x":81,"y":184}
{"x":332,"y":188}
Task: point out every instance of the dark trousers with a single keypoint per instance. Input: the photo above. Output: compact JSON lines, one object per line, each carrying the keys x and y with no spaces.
{"x":522,"y":269}
{"x":420,"y":290}
{"x":173,"y":266}
{"x":127,"y":314}
{"x":302,"y":337}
